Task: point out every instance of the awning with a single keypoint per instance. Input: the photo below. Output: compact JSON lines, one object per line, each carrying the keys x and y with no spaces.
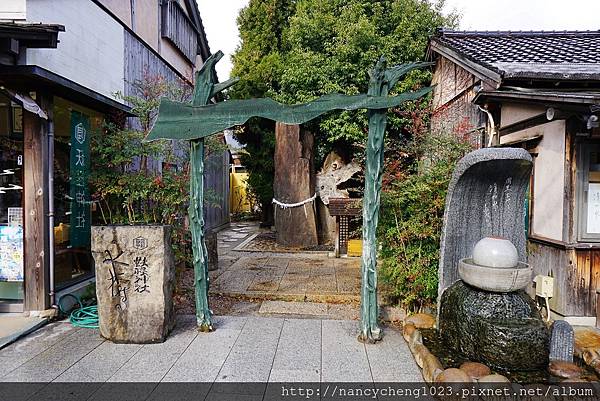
{"x":31,"y":35}
{"x":27,"y":78}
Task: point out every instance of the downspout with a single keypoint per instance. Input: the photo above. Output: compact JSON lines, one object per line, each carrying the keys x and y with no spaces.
{"x":492,"y":125}
{"x":51,"y":210}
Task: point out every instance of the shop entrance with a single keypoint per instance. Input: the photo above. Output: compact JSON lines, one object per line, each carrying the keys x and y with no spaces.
{"x":11,"y":206}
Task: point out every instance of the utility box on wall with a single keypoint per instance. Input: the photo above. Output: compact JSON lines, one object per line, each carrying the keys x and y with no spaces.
{"x":13,"y":10}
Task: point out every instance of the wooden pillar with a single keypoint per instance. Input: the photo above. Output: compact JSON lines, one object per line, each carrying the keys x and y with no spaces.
{"x":36,"y":269}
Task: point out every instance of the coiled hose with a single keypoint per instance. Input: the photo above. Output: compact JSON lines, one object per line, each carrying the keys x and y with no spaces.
{"x":84,"y":316}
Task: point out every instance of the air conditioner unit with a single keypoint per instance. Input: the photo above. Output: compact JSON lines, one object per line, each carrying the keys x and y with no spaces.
{"x":13,"y":10}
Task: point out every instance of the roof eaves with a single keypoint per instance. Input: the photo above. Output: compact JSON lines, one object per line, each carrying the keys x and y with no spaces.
{"x":587,"y":98}
{"x":203,"y":47}
{"x":482,"y":70}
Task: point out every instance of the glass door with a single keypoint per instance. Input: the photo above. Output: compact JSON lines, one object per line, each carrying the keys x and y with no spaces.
{"x":11,"y":206}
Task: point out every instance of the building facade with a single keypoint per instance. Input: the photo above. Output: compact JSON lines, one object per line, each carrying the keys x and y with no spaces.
{"x":539,"y":91}
{"x":62,"y":64}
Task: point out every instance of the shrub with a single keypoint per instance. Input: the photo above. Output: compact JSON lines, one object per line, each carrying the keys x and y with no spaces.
{"x":411,"y":221}
{"x":127,"y":185}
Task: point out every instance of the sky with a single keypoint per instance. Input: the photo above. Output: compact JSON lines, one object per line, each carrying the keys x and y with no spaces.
{"x":219,"y":18}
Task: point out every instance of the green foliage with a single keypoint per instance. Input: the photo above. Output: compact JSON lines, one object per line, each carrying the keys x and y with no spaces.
{"x":297,"y":50}
{"x":126,"y":189}
{"x":411,"y":222}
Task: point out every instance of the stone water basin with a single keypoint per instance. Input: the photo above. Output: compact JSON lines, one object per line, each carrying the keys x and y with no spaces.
{"x":495,"y":279}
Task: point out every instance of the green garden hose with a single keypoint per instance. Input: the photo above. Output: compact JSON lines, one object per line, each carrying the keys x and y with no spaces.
{"x":84,"y":316}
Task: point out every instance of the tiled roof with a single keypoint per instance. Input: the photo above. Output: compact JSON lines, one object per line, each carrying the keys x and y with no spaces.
{"x":565,"y":55}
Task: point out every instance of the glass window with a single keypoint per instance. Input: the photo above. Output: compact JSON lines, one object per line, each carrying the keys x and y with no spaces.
{"x":11,"y":204}
{"x":588,"y":173}
{"x":73,"y":126}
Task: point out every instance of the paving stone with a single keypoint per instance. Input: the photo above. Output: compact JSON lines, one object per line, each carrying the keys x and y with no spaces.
{"x":293,"y":284}
{"x":16,"y":354}
{"x":123,"y":392}
{"x":391,"y":360}
{"x":344,"y":358}
{"x":323,"y":270}
{"x":233,"y":281}
{"x":252,"y":355}
{"x":242,"y":349}
{"x":347,"y":285}
{"x":298,"y":356}
{"x":100,"y":364}
{"x":47,"y":365}
{"x":180,"y":392}
{"x":153,"y":361}
{"x":343,"y":311}
{"x":204,"y":357}
{"x":325,"y":284}
{"x":293,"y":308}
{"x":264,"y":284}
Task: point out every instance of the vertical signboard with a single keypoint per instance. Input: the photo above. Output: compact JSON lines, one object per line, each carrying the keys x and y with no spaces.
{"x":79,"y":189}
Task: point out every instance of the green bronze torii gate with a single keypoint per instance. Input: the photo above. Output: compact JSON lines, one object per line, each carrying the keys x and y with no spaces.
{"x":200,"y":119}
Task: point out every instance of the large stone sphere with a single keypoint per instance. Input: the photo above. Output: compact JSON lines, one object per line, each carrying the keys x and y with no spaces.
{"x":495,"y":252}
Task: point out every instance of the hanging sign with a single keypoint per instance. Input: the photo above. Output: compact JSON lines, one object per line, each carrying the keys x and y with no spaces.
{"x":80,"y":230}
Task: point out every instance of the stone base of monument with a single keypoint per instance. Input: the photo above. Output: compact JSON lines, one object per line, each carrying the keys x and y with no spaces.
{"x":135,"y":278}
{"x":502,"y":330}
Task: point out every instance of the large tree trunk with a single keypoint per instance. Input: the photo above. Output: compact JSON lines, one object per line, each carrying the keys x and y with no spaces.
{"x":294,"y":182}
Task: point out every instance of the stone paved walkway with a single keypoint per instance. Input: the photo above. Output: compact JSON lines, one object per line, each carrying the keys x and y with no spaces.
{"x":242,"y":349}
{"x":298,"y":277}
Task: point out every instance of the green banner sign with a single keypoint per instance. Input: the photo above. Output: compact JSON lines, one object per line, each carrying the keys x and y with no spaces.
{"x":80,"y":232}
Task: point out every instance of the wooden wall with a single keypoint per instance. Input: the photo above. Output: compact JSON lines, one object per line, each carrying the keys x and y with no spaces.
{"x":139,"y":61}
{"x":453,"y":110}
{"x":576,"y":275}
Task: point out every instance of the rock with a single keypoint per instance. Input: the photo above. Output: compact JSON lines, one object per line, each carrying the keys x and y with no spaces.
{"x":586,"y":338}
{"x":420,"y":352}
{"x":566,"y":370}
{"x":432,"y":367}
{"x":408,"y":330}
{"x":135,"y":276}
{"x":453,"y":375}
{"x":502,"y":331}
{"x":421,"y":320}
{"x":493,"y":378}
{"x":415,"y":339}
{"x":562,"y":341}
{"x":475,"y":369}
{"x":392,"y":314}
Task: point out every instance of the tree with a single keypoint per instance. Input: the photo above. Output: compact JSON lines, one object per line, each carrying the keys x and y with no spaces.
{"x":296,"y":51}
{"x":257,"y":62}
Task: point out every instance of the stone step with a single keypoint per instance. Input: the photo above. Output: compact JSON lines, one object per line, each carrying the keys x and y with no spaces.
{"x":325,"y":310}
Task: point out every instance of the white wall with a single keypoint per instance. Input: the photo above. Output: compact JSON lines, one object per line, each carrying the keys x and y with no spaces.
{"x":513,"y":113}
{"x":90,"y":51}
{"x":549,"y":177}
{"x":13,"y":9}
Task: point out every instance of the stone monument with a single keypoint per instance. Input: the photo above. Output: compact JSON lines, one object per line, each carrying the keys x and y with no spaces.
{"x":135,"y":278}
{"x":562,"y":342}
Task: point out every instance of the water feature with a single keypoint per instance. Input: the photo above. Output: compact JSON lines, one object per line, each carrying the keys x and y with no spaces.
{"x":484,"y":314}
